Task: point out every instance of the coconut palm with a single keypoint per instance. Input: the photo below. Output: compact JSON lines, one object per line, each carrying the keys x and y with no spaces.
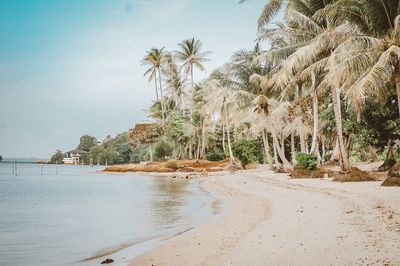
{"x":191,"y":56}
{"x":321,"y":40}
{"x":155,"y":59}
{"x":175,"y":82}
{"x":367,"y":64}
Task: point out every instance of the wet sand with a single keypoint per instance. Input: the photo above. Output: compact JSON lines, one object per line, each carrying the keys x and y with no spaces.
{"x":269,"y":219}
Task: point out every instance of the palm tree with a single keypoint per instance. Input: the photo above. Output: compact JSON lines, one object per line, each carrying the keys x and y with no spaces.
{"x":175,"y":82}
{"x":321,"y":39}
{"x":155,"y":58}
{"x":191,"y":56}
{"x":370,"y":62}
{"x":151,"y":71}
{"x":273,"y":7}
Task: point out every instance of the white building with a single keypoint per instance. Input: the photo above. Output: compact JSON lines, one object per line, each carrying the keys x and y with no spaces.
{"x":73,"y":157}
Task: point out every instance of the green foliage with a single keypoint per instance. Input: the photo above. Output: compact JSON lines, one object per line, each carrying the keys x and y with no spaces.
{"x":1,"y":158}
{"x":248,"y":151}
{"x":57,"y":157}
{"x":327,"y":156}
{"x":112,"y":151}
{"x":162,"y":149}
{"x":140,"y":153}
{"x":176,"y":126}
{"x":215,"y":155}
{"x":379,"y":121}
{"x":389,"y":162}
{"x":307,"y":161}
{"x":86,"y":142}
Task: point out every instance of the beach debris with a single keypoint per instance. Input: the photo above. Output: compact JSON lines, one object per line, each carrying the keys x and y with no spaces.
{"x":353,"y":175}
{"x":299,"y":172}
{"x":107,"y":261}
{"x":393,"y":179}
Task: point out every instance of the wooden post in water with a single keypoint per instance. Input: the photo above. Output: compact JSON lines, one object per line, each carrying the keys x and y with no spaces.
{"x":16,"y":169}
{"x":41,"y":169}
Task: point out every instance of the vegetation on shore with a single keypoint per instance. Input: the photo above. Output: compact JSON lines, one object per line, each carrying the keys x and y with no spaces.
{"x":327,"y":88}
{"x":329,"y":85}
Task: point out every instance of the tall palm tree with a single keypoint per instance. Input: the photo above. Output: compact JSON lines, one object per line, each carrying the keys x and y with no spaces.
{"x":149,"y":60}
{"x":155,"y":58}
{"x":191,"y":56}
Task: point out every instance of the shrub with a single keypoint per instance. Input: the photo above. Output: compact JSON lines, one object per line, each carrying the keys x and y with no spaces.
{"x":162,"y":149}
{"x":307,"y":161}
{"x":215,"y":155}
{"x":248,"y":151}
{"x":389,"y":162}
{"x":328,"y":156}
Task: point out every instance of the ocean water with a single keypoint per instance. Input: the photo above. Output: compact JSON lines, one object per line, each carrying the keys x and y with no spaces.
{"x":78,"y":215}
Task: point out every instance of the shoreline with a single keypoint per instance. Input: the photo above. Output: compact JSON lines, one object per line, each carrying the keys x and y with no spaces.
{"x":269,"y":219}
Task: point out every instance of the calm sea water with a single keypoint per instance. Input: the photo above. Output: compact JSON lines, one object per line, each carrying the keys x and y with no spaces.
{"x":65,"y":218}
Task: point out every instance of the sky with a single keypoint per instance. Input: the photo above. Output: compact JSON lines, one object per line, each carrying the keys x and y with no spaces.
{"x":69,"y":68}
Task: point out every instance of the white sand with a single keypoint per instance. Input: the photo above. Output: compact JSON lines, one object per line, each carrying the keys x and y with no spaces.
{"x":269,"y":219}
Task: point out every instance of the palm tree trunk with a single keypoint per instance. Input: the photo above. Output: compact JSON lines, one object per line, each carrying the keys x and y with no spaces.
{"x":315,"y":122}
{"x":275,"y":153}
{"x":203,"y":142}
{"x":198,"y":150}
{"x":343,"y":158}
{"x":155,"y":83}
{"x":266,"y":148}
{"x":287,"y":167}
{"x":232,"y":158}
{"x":292,"y":148}
{"x":223,"y":138}
{"x":190,"y":152}
{"x":335,"y":153}
{"x":162,"y":100}
{"x":191,"y":75}
{"x":397,"y":79}
{"x":390,"y":153}
{"x":373,"y":154}
{"x":302,"y":140}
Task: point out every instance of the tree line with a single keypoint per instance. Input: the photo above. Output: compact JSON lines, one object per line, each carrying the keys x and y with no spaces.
{"x":329,"y":85}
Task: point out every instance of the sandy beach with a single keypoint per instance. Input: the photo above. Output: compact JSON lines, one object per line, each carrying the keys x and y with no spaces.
{"x":270,"y":219}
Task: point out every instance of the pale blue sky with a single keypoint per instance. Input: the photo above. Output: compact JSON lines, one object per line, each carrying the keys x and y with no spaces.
{"x":69,"y":68}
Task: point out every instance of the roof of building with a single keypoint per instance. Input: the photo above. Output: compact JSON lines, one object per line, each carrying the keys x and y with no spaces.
{"x":76,"y":151}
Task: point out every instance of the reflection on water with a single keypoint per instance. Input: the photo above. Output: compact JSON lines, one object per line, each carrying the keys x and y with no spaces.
{"x":171,"y":196}
{"x":63,"y":218}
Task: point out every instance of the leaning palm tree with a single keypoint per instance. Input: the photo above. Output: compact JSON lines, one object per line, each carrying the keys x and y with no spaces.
{"x":191,"y":56}
{"x":155,"y":58}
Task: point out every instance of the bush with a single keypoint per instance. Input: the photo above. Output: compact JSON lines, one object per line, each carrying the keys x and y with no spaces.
{"x":248,"y":151}
{"x":215,"y":155}
{"x":328,"y":156}
{"x":57,"y":157}
{"x":162,"y":149}
{"x":307,"y":161}
{"x":389,"y":162}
